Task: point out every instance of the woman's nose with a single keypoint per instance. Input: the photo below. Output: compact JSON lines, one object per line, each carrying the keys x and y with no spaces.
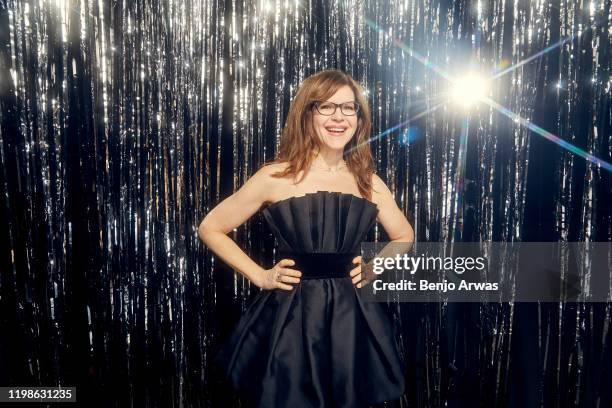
{"x":337,"y":114}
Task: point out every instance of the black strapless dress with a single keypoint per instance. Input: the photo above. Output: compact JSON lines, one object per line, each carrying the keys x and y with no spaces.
{"x":320,"y":344}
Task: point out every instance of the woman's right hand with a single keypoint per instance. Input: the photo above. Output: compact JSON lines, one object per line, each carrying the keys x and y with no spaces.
{"x":279,"y":276}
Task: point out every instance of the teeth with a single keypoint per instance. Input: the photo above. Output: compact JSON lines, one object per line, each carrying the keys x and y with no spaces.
{"x":335,"y":129}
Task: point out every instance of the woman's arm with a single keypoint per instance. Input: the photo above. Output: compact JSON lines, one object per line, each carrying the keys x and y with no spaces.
{"x":230,"y":214}
{"x":390,"y":216}
{"x":396,"y":225}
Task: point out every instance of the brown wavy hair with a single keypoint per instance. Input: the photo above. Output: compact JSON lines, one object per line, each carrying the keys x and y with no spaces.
{"x":299,"y":140}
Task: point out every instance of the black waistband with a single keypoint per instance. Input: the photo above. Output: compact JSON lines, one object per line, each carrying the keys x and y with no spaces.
{"x":319,"y":265}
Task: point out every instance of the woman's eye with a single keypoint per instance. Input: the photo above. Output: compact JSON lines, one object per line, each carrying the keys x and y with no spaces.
{"x":326,"y":108}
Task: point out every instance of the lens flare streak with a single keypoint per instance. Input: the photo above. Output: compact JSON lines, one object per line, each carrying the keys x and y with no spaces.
{"x":549,"y":136}
{"x":460,"y":88}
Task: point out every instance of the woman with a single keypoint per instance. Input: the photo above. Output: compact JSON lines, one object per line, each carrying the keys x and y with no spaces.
{"x":307,"y":339}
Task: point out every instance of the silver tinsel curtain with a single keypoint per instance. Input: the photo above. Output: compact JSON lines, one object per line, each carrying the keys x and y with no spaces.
{"x":123,"y":122}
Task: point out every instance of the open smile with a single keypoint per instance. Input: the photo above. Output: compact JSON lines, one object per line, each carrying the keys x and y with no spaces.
{"x":336,"y":130}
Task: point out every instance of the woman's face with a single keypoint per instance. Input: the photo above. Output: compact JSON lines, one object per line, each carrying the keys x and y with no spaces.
{"x":336,"y":130}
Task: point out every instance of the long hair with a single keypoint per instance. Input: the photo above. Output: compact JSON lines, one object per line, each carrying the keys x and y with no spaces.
{"x":299,"y":140}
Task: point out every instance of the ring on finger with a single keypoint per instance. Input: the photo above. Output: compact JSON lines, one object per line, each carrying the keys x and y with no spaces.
{"x":277,"y":276}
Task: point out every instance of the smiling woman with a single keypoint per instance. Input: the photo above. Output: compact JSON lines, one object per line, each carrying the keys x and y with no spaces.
{"x":327,"y":128}
{"x":308,"y":339}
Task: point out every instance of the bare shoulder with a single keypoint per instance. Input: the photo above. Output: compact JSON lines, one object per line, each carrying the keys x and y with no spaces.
{"x":380,"y":191}
{"x":390,"y":215}
{"x":271,"y":168}
{"x":265,"y":173}
{"x":264,"y":181}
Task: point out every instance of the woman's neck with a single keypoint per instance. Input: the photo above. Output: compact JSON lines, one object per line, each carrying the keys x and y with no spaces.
{"x":329,"y":159}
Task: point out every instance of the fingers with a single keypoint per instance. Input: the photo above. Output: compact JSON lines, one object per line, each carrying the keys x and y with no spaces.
{"x":283,"y":286}
{"x":287,"y":275}
{"x":288,"y":279}
{"x":356,"y":271}
{"x":355,"y":274}
{"x":286,"y":262}
{"x":360,"y":281}
{"x":282,"y":268}
{"x":358,"y":277}
{"x":291,"y":272}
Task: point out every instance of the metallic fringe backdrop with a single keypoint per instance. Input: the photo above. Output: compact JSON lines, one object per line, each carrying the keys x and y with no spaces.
{"x":124,"y":122}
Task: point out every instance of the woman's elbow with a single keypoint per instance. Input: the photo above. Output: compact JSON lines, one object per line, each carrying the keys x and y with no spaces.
{"x":202,"y":232}
{"x":205,"y":230}
{"x":408,"y":236}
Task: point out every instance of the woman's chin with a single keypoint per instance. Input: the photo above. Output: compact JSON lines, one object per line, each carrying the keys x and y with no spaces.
{"x":339,"y":147}
{"x":336,"y":144}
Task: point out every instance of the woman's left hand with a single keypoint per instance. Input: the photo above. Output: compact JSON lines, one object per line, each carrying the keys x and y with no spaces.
{"x":357,"y":276}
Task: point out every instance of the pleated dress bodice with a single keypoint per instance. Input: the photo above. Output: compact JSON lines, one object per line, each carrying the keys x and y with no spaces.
{"x":321,"y":222}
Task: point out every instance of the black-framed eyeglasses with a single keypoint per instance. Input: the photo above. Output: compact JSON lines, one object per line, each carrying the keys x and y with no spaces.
{"x":329,"y":108}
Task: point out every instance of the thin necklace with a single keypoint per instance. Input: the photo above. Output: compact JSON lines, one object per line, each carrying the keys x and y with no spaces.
{"x":328,"y":168}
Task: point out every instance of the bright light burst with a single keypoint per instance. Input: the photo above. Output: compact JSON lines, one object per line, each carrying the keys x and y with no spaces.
{"x":469,"y":89}
{"x":473,"y":88}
